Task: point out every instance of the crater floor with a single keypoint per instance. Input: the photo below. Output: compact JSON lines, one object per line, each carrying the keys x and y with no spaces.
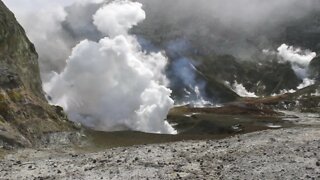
{"x":292,"y":153}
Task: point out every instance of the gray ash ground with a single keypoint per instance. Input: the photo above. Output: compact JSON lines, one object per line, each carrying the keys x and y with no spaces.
{"x":292,"y":153}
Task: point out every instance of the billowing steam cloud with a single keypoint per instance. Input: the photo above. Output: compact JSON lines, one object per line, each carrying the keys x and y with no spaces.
{"x":112,"y":84}
{"x":298,"y":58}
{"x":107,"y":82}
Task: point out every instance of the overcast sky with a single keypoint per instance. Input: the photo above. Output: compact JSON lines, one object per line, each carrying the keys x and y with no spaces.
{"x":27,"y":5}
{"x":21,"y":6}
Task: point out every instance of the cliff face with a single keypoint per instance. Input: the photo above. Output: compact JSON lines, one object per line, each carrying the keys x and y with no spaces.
{"x":25,"y":115}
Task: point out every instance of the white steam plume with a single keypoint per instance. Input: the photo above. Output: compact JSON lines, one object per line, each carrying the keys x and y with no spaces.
{"x":111,"y":84}
{"x":298,"y":58}
{"x":194,"y":88}
{"x":240,"y":89}
{"x":113,"y":20}
{"x":306,"y":82}
{"x":185,"y":76}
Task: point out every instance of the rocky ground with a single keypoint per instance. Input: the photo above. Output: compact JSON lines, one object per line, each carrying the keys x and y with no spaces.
{"x":273,"y":154}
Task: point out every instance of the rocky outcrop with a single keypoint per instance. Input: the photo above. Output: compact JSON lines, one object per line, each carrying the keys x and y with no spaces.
{"x":314,"y":68}
{"x":25,"y":115}
{"x":304,"y":100}
{"x":264,"y":77}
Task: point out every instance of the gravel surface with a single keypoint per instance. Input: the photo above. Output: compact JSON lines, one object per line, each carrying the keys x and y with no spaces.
{"x":272,"y":154}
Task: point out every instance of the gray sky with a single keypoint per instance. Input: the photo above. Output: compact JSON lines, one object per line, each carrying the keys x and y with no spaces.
{"x":27,"y":5}
{"x":22,"y":6}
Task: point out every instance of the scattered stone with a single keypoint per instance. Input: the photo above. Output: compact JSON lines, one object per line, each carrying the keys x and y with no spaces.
{"x":222,"y":159}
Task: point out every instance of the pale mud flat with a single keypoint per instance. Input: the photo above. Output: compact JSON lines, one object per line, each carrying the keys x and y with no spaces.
{"x":292,"y":153}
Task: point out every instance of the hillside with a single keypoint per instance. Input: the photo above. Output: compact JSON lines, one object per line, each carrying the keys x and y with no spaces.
{"x":25,"y":115}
